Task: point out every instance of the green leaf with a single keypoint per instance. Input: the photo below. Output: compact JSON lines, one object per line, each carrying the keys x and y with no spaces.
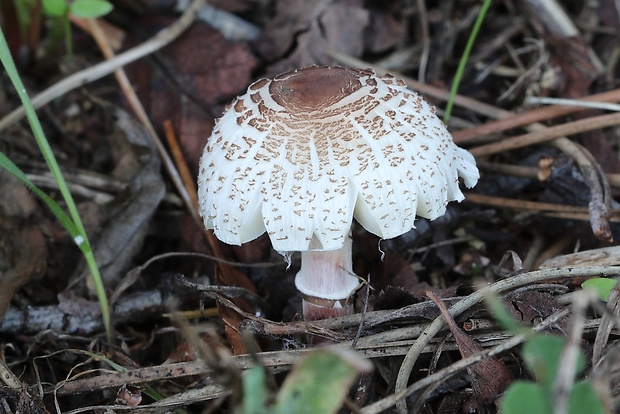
{"x":90,"y":9}
{"x":56,"y":8}
{"x":23,"y":10}
{"x":319,"y":382}
{"x":526,"y":397}
{"x":460,"y":70}
{"x":254,"y":391}
{"x":583,"y":399}
{"x":542,"y":354}
{"x":601,"y":285}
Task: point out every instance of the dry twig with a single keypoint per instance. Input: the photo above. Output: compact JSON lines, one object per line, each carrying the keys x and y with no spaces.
{"x":476,"y":297}
{"x":102,"y":69}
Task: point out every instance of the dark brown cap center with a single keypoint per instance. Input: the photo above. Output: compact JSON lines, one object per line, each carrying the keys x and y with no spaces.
{"x":314,"y":88}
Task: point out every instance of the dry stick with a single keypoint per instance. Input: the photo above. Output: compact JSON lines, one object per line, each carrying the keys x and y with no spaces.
{"x":425,"y":89}
{"x":567,"y":364}
{"x":572,"y":212}
{"x":600,"y":191}
{"x":114,"y":34}
{"x":426,"y":39}
{"x":508,"y":169}
{"x":422,"y":310}
{"x":537,"y":137}
{"x":476,"y":297}
{"x":599,"y":216}
{"x":458,"y":366}
{"x":602,"y":334}
{"x":530,"y":117}
{"x":136,"y":105}
{"x":599,"y":207}
{"x":543,"y":135}
{"x":603,"y":106}
{"x":102,"y":69}
{"x":188,"y":180}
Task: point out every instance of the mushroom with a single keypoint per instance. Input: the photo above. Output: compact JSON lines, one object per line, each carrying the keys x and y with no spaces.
{"x":301,"y":155}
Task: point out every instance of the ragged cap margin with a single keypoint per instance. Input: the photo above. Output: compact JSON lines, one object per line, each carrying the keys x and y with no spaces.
{"x":301,"y":155}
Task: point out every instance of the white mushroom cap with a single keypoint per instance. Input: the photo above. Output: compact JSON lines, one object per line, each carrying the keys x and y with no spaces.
{"x":300,"y":155}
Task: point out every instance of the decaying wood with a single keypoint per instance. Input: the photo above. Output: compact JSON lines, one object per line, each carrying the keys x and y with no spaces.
{"x":604,"y":256}
{"x":38,"y":319}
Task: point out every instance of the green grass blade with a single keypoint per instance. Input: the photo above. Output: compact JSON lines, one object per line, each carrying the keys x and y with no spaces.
{"x":61,"y":216}
{"x":463,"y":61}
{"x":81,"y":238}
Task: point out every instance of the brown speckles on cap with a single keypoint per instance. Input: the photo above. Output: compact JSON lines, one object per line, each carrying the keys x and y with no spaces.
{"x":301,"y":155}
{"x":258,"y":84}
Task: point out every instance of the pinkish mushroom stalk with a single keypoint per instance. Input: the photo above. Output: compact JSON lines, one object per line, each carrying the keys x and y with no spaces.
{"x":300,"y":156}
{"x":327,"y":282}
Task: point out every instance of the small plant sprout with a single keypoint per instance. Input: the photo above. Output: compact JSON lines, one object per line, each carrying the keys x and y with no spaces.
{"x":302,"y":155}
{"x":84,"y":9}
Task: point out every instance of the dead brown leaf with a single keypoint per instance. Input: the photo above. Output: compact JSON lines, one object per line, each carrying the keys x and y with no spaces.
{"x":489,"y":377}
{"x":23,"y":256}
{"x":198,"y":73}
{"x":387,"y":26}
{"x":303,"y":32}
{"x":23,"y":251}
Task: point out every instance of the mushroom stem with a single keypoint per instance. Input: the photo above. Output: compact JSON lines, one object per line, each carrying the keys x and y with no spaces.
{"x":326,"y":280}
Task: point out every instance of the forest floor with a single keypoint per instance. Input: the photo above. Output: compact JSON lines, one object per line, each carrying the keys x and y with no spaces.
{"x":191,"y":314}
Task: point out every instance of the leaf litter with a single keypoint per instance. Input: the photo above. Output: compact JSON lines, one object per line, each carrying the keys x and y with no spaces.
{"x":550,"y":201}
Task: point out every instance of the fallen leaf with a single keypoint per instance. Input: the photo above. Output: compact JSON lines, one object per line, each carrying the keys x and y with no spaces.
{"x":202,"y":71}
{"x":489,"y":377}
{"x":530,"y":305}
{"x":387,"y":26}
{"x":302,"y":32}
{"x":23,"y":251}
{"x":23,"y":257}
